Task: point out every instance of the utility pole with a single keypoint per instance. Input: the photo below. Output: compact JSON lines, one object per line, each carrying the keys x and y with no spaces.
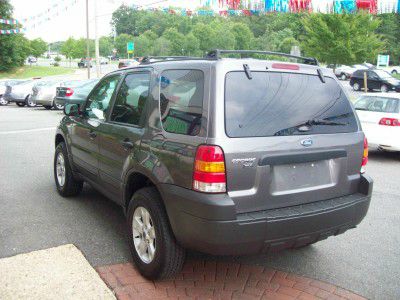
{"x":96,"y":41}
{"x":87,"y":39}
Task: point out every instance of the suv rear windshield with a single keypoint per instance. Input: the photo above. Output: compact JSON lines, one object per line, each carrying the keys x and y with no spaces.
{"x":276,"y":104}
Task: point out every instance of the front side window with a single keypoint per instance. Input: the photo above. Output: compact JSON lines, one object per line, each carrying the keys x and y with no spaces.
{"x":99,"y":99}
{"x":181,"y":101}
{"x":278,"y":104}
{"x":131,"y":99}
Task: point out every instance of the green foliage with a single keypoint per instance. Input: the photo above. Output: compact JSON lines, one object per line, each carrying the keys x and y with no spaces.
{"x":344,"y":39}
{"x":105,"y":46}
{"x":14,"y":48}
{"x":120,"y":43}
{"x":73,"y":48}
{"x":38,"y":47}
{"x":389,"y":28}
{"x":341,"y":39}
{"x":68,"y":48}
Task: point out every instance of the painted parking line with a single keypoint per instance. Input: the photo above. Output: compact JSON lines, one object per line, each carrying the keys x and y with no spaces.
{"x":27,"y":130}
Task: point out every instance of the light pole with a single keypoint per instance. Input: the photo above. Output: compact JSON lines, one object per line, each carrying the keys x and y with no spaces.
{"x":87,"y":39}
{"x":96,"y":37}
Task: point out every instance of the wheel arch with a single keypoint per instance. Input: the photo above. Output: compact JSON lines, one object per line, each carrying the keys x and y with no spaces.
{"x":134,"y":181}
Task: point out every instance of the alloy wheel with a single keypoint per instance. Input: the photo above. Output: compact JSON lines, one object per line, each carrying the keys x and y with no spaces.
{"x":60,"y":169}
{"x":144,"y":235}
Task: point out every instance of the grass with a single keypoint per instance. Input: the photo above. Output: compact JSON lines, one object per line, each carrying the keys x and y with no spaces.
{"x":35,"y":71}
{"x":397,"y":76}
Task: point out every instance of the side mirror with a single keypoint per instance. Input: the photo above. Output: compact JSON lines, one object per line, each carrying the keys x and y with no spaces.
{"x":71,"y":110}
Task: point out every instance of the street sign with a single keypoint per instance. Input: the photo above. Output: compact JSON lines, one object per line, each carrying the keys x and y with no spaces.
{"x":130,"y":47}
{"x":383,"y":61}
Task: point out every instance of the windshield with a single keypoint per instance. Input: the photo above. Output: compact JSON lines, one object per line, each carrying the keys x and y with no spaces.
{"x":382,"y":74}
{"x":275,"y":104}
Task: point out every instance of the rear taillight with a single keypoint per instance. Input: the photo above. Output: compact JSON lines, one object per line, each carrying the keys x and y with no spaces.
{"x":389,"y":122}
{"x":69,"y":92}
{"x":209,"y":170}
{"x":365,"y":156}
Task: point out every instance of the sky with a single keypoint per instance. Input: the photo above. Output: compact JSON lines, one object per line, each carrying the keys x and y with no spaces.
{"x":72,"y":22}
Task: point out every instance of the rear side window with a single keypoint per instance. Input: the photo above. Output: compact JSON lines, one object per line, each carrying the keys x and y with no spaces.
{"x":378,"y":104}
{"x":181,"y":101}
{"x":277,"y":104}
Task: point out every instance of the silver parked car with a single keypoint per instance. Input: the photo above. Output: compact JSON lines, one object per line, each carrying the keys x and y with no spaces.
{"x":20,"y":93}
{"x":44,"y":93}
{"x":2,"y":92}
{"x":5,"y":88}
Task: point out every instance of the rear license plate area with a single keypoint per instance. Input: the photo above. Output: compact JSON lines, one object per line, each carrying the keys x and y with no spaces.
{"x":301,"y":176}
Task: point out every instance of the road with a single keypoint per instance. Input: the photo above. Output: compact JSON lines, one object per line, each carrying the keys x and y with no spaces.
{"x":33,"y":216}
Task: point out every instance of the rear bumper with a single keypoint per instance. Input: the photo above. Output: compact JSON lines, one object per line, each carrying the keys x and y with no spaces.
{"x":209,"y":223}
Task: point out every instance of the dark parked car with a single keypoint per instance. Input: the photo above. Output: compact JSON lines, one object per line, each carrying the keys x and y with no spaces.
{"x":127,"y":63}
{"x":83,"y":63}
{"x":376,"y":80}
{"x":220,"y":155}
{"x":74,"y":92}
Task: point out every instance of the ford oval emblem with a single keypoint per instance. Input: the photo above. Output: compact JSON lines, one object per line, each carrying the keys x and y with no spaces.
{"x":307,"y":142}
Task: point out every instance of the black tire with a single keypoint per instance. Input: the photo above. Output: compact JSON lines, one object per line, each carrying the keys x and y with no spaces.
{"x":384,"y":88}
{"x":29,"y":103}
{"x":169,"y":257}
{"x":3,"y":102}
{"x":71,"y":187}
{"x":20,"y":104}
{"x":47,"y":107}
{"x":57,"y":107}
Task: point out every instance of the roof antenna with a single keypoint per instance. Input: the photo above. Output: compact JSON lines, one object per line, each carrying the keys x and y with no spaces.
{"x":248,"y":72}
{"x":321,"y":75}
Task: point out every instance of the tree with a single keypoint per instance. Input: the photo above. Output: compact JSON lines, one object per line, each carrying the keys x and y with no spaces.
{"x":38,"y":47}
{"x":341,"y":39}
{"x":105,"y":46}
{"x":177,"y":41}
{"x":68,"y":48}
{"x":243,"y":36}
{"x":14,"y":48}
{"x":390,"y":31}
{"x":121,"y":42}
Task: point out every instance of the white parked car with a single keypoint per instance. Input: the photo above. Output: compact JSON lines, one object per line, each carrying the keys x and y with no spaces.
{"x":392,"y":69}
{"x":380,"y":119}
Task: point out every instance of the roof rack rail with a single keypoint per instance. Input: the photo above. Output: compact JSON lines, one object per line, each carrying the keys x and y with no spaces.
{"x":154,"y":59}
{"x":216,"y":54}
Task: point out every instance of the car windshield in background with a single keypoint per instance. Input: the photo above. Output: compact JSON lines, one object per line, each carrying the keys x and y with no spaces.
{"x":378,"y":104}
{"x":382,"y":74}
{"x":276,"y":104}
{"x":88,"y":84}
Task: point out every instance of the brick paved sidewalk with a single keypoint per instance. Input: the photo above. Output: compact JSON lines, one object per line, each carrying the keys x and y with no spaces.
{"x":219,"y":280}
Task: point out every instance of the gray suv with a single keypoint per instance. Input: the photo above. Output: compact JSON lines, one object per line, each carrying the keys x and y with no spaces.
{"x":228,"y":156}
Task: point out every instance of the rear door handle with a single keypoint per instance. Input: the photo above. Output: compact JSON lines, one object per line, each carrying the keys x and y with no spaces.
{"x":92,"y":134}
{"x":127,"y":144}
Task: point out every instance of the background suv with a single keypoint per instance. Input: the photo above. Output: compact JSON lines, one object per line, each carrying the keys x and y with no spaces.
{"x":221,"y":155}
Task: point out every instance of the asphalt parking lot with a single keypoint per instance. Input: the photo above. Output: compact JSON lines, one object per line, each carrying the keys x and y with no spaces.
{"x":33,"y":216}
